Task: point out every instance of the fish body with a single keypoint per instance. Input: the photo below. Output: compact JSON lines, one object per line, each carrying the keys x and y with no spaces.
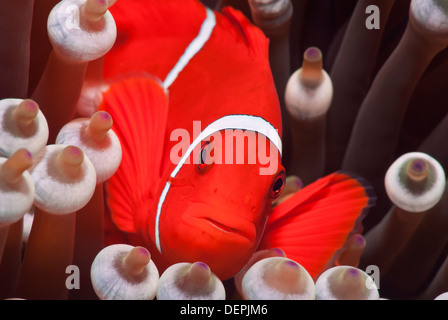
{"x":193,"y":100}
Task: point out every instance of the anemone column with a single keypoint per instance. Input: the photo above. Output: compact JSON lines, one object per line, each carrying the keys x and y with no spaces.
{"x":374,"y":138}
{"x":351,"y":74}
{"x":15,"y":35}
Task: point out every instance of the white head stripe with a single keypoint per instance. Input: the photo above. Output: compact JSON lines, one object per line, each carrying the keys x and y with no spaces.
{"x":241,"y":122}
{"x":194,"y":47}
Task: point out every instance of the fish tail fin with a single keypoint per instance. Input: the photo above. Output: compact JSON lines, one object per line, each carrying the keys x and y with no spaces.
{"x":139,"y":109}
{"x":312,"y":226}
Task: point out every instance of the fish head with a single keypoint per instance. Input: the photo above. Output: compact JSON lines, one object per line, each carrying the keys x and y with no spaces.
{"x":219,"y":201}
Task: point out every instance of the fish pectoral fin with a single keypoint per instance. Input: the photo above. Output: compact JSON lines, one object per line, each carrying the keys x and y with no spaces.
{"x":139,"y":109}
{"x":313,"y":224}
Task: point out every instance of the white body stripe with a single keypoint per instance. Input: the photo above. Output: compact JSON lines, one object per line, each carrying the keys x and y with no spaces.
{"x":242,"y":122}
{"x":193,"y":48}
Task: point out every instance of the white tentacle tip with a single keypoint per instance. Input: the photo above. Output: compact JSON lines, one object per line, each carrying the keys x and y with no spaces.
{"x":442,"y":296}
{"x":305,"y":102}
{"x":65,"y":179}
{"x":430,"y":16}
{"x":17,"y":189}
{"x":272,"y":16}
{"x":77,"y":36}
{"x":415,"y":182}
{"x":277,"y":278}
{"x":124,"y":272}
{"x":346,"y":283}
{"x":96,"y":138}
{"x":190,"y":281}
{"x":22,"y":125}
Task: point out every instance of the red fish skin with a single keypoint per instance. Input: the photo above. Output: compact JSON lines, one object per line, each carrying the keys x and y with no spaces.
{"x":230,"y":75}
{"x":152,"y":37}
{"x":218,"y":216}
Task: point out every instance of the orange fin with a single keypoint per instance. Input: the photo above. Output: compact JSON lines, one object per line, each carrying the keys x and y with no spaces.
{"x":139,"y":109}
{"x":313,"y":224}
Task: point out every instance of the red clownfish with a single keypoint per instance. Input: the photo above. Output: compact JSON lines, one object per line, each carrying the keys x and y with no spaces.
{"x":191,"y":194}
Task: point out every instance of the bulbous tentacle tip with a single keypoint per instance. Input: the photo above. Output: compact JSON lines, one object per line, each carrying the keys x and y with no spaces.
{"x":430,"y":19}
{"x":136,"y":261}
{"x":13,"y":168}
{"x":285,"y":276}
{"x":97,"y":139}
{"x":99,"y":125}
{"x":257,"y":256}
{"x":94,"y":10}
{"x":276,"y":252}
{"x":309,"y":90}
{"x":65,"y":179}
{"x":26,"y":112}
{"x":124,"y":272}
{"x":69,"y":161}
{"x":350,"y":254}
{"x":17,"y":187}
{"x":312,"y":74}
{"x":277,"y":278}
{"x":442,"y":296}
{"x":190,"y":281}
{"x":22,"y":125}
{"x":81,"y":30}
{"x":91,"y":97}
{"x":272,"y":16}
{"x":415,"y":182}
{"x":198,"y":273}
{"x":418,"y":170}
{"x":345,"y":283}
{"x":313,"y":54}
{"x":358,"y":240}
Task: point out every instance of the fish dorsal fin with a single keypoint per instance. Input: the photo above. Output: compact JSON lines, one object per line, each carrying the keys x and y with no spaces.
{"x":152,"y":35}
{"x":313,"y":224}
{"x":139,"y":109}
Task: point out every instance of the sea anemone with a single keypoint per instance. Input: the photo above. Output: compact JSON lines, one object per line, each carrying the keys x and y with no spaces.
{"x":345,"y":283}
{"x":124,"y":272}
{"x":384,"y":86}
{"x":190,"y":281}
{"x":277,"y":278}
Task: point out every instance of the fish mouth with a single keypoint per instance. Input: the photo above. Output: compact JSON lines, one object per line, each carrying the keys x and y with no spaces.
{"x":226,"y":228}
{"x":223,"y":225}
{"x":227,"y":225}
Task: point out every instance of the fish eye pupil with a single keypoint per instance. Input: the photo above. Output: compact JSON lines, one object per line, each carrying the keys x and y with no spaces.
{"x":203,"y":164}
{"x":277,"y":186}
{"x":203,"y":154}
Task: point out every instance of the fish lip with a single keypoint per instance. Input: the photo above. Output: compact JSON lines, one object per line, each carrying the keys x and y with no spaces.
{"x":210,"y":218}
{"x":225,"y":228}
{"x":241,"y":228}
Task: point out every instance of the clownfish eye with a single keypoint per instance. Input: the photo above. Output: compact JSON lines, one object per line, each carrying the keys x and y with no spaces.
{"x":278,"y":184}
{"x":203,"y":162}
